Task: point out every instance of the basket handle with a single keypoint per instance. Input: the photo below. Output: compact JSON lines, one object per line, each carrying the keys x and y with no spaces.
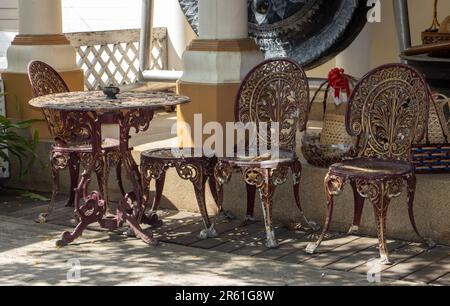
{"x":441,"y":123}
{"x":352,"y":80}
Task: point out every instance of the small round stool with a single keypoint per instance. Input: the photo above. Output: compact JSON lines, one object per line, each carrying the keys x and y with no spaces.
{"x":198,"y":170}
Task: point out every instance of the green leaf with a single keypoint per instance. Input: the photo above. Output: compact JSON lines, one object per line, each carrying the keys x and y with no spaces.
{"x":23,"y":148}
{"x":33,"y":196}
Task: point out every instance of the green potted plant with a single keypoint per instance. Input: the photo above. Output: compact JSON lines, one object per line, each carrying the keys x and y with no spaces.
{"x":13,"y":144}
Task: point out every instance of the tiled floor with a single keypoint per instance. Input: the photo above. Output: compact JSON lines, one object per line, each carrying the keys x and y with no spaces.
{"x":412,"y":261}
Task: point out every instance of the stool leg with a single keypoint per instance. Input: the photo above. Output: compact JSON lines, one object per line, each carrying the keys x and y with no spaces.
{"x":199,"y":187}
{"x":147,"y":174}
{"x":222,"y":175}
{"x":159,"y":188}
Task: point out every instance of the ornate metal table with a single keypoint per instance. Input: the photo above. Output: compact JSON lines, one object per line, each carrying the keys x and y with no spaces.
{"x":78,"y":116}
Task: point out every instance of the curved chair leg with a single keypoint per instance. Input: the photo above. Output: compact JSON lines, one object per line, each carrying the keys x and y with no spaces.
{"x":359,"y":207}
{"x":222,"y":174}
{"x":380,"y":201}
{"x":267,"y":191}
{"x":296,"y":173}
{"x":43,"y":217}
{"x":119,"y":177}
{"x":411,"y":188}
{"x":223,"y":215}
{"x":199,"y":187}
{"x":333,"y":186}
{"x":251,"y":194}
{"x":74,"y":171}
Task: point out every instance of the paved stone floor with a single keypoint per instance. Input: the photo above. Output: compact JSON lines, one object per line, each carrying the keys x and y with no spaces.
{"x":238,"y":257}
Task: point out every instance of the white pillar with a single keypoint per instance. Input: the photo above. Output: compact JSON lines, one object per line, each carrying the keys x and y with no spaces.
{"x":356,"y":58}
{"x":40,"y":38}
{"x":220,"y":21}
{"x":40,"y":17}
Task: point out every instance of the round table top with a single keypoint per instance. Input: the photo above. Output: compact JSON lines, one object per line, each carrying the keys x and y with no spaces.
{"x":97,"y":101}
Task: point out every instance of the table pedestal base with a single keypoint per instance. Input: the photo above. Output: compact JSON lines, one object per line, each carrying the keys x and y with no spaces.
{"x":95,"y":210}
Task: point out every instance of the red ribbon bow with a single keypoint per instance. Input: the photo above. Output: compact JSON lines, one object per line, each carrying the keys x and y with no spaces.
{"x":338,"y":82}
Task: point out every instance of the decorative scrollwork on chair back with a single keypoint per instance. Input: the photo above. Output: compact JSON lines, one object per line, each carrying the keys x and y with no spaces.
{"x":388,"y":111}
{"x":45,"y":80}
{"x":276,"y":91}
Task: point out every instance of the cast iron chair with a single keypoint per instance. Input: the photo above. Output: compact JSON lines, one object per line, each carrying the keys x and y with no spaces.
{"x":388,"y":111}
{"x":275,"y":91}
{"x":68,"y":151}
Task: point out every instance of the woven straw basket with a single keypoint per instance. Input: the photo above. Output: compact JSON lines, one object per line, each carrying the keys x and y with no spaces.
{"x":333,"y":143}
{"x":334,"y":131}
{"x":436,"y":121}
{"x":432,"y":155}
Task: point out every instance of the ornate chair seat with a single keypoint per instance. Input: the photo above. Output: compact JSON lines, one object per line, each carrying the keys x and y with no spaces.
{"x":371,"y":168}
{"x":169,"y":154}
{"x":189,"y":166}
{"x":265,"y":161}
{"x":108,"y":145}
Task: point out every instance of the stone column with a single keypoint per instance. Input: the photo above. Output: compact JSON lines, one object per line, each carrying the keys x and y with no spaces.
{"x":40,"y":38}
{"x":216,"y":62}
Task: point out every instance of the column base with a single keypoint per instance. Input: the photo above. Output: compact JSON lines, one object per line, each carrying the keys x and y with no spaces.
{"x":214,"y":101}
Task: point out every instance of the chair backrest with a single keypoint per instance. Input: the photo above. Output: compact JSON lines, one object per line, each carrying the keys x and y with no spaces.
{"x":388,"y":111}
{"x":45,"y":80}
{"x":275,"y":91}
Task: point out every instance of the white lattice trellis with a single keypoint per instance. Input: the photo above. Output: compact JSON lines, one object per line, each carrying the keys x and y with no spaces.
{"x":112,"y":57}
